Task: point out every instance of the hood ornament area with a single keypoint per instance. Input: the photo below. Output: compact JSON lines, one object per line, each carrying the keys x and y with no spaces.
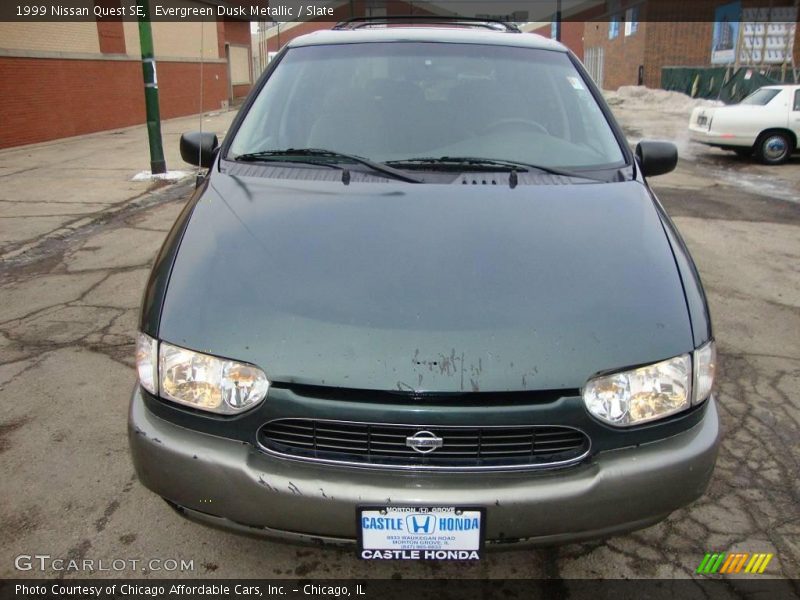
{"x":424,"y":442}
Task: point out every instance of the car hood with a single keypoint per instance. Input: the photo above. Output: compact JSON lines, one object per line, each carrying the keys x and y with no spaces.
{"x":424,"y":287}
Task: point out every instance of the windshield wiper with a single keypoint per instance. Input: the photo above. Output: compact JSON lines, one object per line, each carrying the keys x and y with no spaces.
{"x":305,"y":154}
{"x":478,"y":162}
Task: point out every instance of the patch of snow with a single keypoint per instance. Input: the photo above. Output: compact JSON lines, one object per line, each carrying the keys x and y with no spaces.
{"x":641,"y":97}
{"x":168,"y":176}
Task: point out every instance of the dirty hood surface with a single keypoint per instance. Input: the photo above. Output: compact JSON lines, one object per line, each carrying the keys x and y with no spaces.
{"x":426,"y":287}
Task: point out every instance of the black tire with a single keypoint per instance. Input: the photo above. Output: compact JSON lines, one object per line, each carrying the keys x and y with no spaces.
{"x":743,"y":152}
{"x":774,"y":147}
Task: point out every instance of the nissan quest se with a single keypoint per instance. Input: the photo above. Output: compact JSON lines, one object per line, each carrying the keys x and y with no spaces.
{"x":425,"y":302}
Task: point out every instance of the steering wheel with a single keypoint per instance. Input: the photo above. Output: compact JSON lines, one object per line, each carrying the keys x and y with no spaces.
{"x":516,"y":121}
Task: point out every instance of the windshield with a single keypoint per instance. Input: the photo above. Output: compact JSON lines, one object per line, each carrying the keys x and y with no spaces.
{"x":761,"y":97}
{"x":404,"y":100}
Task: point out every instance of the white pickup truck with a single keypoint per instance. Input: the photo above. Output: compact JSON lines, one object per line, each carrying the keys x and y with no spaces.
{"x":766,"y":123}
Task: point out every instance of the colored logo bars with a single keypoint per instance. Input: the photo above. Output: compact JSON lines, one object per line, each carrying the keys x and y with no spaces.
{"x":733,"y":562}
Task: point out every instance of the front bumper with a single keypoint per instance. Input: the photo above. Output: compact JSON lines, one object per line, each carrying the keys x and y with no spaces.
{"x":231,"y":484}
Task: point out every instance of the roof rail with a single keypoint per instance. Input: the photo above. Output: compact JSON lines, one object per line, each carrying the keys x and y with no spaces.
{"x":494,"y":24}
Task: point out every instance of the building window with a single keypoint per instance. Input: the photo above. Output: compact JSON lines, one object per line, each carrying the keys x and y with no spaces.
{"x":553,"y":30}
{"x":613,"y":27}
{"x":631,"y":21}
{"x":594,"y":62}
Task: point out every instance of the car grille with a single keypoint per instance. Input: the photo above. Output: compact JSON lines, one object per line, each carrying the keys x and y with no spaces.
{"x":385,"y":445}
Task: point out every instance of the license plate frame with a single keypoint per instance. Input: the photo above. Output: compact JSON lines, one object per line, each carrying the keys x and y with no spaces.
{"x":454,"y":538}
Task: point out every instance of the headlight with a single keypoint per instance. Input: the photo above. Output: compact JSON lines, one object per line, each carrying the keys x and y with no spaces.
{"x":641,"y":395}
{"x":207,"y":382}
{"x":147,"y":362}
{"x":705,"y":368}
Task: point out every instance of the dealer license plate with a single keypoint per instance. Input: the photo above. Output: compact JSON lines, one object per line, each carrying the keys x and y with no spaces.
{"x":420,"y":533}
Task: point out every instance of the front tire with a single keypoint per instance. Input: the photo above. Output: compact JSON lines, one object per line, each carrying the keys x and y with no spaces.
{"x":774,"y":147}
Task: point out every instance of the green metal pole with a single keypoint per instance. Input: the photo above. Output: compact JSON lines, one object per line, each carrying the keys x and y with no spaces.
{"x":558,"y":20}
{"x":157,"y":162}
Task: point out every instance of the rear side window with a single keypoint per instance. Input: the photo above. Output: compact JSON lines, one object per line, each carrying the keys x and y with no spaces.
{"x":403,"y":100}
{"x":761,"y":97}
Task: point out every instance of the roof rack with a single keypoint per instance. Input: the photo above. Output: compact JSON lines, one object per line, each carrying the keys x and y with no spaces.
{"x":493,"y":24}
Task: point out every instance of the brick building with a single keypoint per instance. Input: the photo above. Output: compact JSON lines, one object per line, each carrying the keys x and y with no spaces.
{"x":72,"y":78}
{"x":629,"y":42}
{"x":573,"y":30}
{"x":632,"y":41}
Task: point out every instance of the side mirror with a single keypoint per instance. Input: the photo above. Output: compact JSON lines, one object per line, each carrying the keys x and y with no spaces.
{"x":198,"y":148}
{"x":656,"y":158}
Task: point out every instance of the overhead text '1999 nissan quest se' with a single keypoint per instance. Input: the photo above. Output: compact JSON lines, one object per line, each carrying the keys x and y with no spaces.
{"x":424,"y":301}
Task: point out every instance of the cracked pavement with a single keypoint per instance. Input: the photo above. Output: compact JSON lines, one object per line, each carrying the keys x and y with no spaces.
{"x":77,"y":243}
